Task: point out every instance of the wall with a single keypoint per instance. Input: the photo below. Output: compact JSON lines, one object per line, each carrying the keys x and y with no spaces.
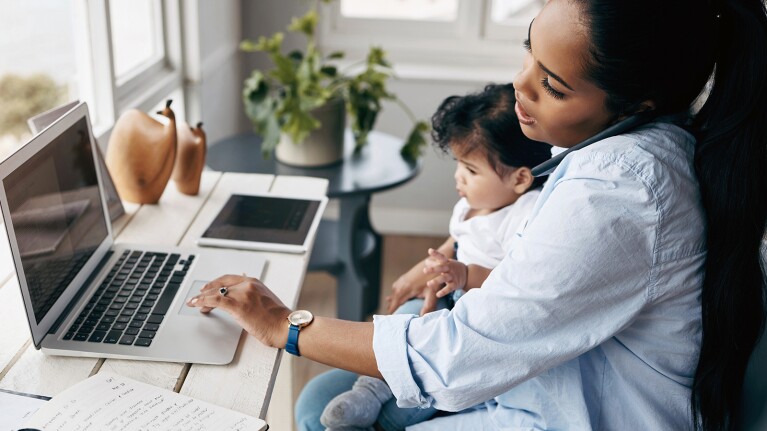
{"x":213,"y":64}
{"x":422,"y":206}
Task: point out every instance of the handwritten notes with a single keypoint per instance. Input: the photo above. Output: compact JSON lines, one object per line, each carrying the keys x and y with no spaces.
{"x":114,"y":403}
{"x":16,"y":407}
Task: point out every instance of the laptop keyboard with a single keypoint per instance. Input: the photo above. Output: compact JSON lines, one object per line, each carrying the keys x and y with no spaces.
{"x":131,"y":302}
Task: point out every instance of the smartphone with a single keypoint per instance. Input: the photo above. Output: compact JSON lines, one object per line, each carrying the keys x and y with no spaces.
{"x":622,"y":126}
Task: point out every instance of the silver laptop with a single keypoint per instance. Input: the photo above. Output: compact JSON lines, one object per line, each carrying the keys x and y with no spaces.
{"x":87,"y":296}
{"x":44,"y":119}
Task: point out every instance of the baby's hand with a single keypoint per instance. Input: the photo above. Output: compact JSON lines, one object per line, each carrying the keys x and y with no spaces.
{"x":449,"y":272}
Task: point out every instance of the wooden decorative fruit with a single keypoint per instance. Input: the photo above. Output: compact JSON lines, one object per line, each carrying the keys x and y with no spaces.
{"x":141,"y":155}
{"x":190,"y":158}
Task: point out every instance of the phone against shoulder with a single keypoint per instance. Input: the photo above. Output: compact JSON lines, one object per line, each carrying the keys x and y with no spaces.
{"x":622,"y":126}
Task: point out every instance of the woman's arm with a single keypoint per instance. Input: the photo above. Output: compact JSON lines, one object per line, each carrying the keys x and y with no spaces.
{"x":579,"y":275}
{"x":338,"y":343}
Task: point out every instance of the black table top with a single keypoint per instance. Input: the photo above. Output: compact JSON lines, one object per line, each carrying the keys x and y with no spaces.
{"x":379,"y":166}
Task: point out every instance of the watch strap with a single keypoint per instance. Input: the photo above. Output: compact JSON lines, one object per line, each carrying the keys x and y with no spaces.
{"x":292,"y":345}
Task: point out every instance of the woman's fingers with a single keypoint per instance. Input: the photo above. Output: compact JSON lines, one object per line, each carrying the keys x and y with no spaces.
{"x":437,"y":282}
{"x":256,"y":308}
{"x":398,"y":298}
{"x":210,"y":296}
{"x":223,"y":281}
{"x":442,"y":284}
{"x":429,"y":303}
{"x":449,"y":287}
{"x":208,"y":301}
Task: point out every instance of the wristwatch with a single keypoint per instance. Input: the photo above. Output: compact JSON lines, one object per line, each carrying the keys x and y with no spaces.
{"x":298,"y":319}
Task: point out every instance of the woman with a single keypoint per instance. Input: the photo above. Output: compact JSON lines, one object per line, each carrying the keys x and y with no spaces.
{"x":635,"y":292}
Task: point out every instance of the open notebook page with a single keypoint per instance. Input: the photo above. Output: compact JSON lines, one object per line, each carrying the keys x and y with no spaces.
{"x":111,"y":402}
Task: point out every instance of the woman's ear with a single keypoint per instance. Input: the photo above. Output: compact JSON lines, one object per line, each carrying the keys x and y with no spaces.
{"x":647,"y":105}
{"x":521,"y":180}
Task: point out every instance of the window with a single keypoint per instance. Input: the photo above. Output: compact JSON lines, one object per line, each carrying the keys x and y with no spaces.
{"x":508,"y":17}
{"x":39,"y":69}
{"x":113,"y":54}
{"x":135,"y":48}
{"x":445,"y":32}
{"x":417,"y":10}
{"x":137,"y":38}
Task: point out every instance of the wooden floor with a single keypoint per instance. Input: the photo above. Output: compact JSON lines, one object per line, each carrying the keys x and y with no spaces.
{"x":318,"y":295}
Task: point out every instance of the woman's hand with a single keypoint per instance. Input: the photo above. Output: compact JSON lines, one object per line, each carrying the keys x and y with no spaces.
{"x":449,"y":274}
{"x":251,"y":303}
{"x":405,"y":288}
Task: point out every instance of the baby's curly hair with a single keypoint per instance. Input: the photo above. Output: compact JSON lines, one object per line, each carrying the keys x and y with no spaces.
{"x":486,"y":121}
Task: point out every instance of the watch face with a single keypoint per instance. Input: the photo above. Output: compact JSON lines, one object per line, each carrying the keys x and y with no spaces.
{"x":300,"y":318}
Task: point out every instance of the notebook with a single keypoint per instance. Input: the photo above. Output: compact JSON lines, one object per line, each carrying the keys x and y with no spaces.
{"x":85,"y":295}
{"x":108,"y":401}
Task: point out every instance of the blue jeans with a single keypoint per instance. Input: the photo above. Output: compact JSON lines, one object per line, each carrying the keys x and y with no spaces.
{"x":323,"y":388}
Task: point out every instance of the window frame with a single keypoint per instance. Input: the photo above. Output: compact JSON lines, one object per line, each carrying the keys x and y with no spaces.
{"x":496,"y":31}
{"x":473,"y":39}
{"x":144,"y":86}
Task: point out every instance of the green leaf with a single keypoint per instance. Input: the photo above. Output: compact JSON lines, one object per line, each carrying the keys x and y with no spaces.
{"x":415,"y":141}
{"x":260,"y":108}
{"x":255,"y":83}
{"x":248,"y":45}
{"x":329,"y":71}
{"x":255,"y":96}
{"x":271,"y":45}
{"x":377,"y":57}
{"x":280,"y":100}
{"x":270,"y":135}
{"x":285,"y":70}
{"x":306,"y":24}
{"x":296,"y":55}
{"x":299,"y":124}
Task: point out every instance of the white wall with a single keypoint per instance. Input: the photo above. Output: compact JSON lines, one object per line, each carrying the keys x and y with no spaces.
{"x":422,"y":206}
{"x":212,"y":34}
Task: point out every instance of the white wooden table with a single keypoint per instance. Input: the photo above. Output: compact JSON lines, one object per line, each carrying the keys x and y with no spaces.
{"x":245,"y":384}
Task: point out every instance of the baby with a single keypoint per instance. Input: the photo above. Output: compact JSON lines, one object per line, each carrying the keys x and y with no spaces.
{"x":497,"y":191}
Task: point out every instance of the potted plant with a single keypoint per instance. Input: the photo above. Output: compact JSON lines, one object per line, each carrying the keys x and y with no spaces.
{"x":297,"y":100}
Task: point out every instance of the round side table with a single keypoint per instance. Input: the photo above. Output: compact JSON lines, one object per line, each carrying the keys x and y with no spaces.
{"x":348,"y":248}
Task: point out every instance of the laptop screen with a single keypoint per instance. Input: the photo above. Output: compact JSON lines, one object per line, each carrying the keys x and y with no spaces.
{"x":56,"y":213}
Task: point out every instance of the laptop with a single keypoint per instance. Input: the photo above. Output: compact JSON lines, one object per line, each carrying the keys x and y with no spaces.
{"x":44,"y":119}
{"x":85,"y":295}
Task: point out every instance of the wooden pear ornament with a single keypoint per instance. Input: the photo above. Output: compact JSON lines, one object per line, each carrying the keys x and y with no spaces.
{"x":190,"y":158}
{"x":141,"y":155}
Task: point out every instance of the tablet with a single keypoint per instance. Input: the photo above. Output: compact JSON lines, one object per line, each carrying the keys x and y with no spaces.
{"x":265,"y":222}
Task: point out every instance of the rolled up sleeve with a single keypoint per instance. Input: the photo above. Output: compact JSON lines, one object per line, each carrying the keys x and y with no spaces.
{"x":391,"y":350}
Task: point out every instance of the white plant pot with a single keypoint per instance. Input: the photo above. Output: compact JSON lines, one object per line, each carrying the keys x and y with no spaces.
{"x":324,"y":146}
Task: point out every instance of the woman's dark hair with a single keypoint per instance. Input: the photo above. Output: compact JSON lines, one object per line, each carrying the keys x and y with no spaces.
{"x":666,"y":51}
{"x":486,"y":121}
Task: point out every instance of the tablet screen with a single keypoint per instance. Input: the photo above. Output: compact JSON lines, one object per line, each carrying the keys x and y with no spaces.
{"x":263,"y":219}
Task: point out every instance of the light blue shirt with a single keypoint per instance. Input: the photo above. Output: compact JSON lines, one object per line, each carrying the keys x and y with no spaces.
{"x":596,"y":306}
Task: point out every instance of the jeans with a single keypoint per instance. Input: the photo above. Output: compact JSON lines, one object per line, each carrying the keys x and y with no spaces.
{"x":323,"y":388}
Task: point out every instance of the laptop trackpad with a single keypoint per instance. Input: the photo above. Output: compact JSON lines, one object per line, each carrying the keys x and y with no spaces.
{"x":192,"y":311}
